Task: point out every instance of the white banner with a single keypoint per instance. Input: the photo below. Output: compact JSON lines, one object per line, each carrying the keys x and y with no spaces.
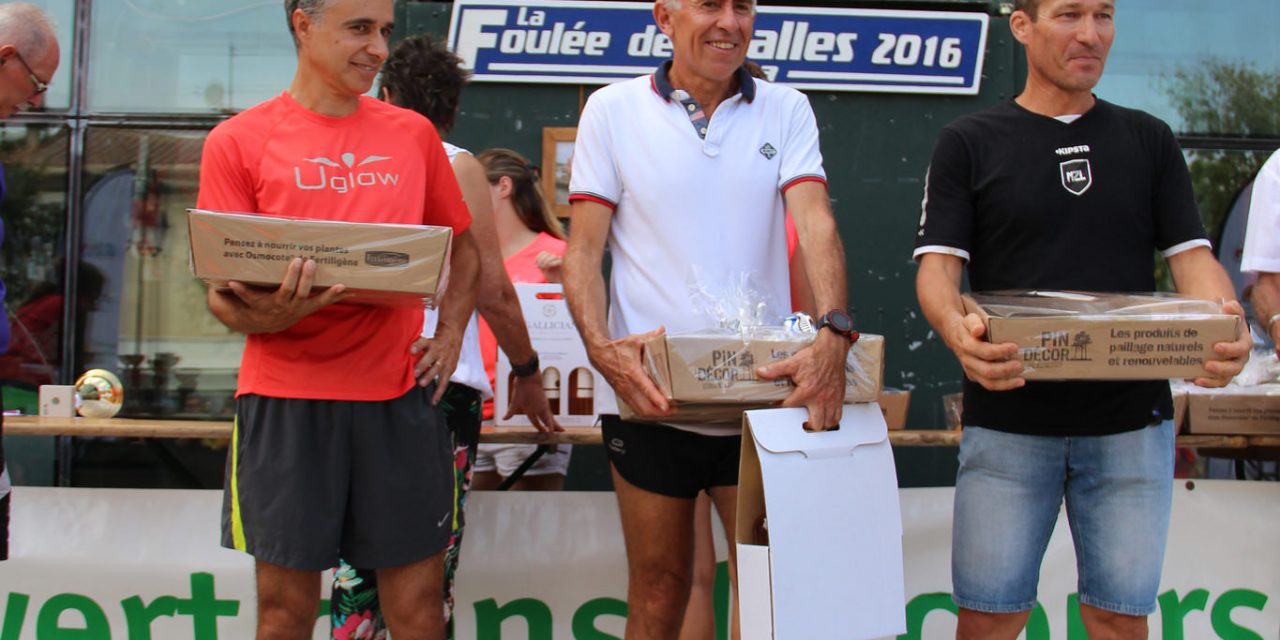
{"x":143,"y":564}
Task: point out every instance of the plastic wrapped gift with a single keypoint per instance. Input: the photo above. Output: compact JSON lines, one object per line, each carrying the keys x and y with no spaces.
{"x":1100,"y":336}
{"x":710,"y":376}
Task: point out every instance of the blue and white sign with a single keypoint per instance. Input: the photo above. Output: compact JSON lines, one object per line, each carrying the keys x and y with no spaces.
{"x":592,"y":42}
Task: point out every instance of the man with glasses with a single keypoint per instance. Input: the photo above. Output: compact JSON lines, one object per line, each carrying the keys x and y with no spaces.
{"x":28,"y":57}
{"x":23,"y":27}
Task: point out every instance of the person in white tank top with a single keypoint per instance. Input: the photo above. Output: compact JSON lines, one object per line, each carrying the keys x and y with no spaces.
{"x":424,"y":76}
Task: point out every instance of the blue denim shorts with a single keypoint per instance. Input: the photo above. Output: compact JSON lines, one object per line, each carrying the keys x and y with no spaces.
{"x":1009,"y":490}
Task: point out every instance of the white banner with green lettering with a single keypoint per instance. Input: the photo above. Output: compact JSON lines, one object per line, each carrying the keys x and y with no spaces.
{"x":99,"y":564}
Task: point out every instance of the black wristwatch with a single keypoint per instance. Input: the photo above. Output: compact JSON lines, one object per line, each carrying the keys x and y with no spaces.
{"x":527,"y":369}
{"x":839,"y":321}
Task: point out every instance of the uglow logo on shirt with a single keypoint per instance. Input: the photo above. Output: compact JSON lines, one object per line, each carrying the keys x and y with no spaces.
{"x":343,"y":177}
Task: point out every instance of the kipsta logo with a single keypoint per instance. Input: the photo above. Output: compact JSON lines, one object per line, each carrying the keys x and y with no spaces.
{"x":768,"y":151}
{"x":1076,"y":176}
{"x":345,"y":176}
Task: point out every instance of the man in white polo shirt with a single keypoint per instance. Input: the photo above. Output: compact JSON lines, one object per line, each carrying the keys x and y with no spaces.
{"x":1262,"y":248}
{"x":687,"y":174}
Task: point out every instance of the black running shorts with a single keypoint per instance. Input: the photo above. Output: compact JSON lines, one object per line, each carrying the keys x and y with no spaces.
{"x":310,"y":480}
{"x":668,"y":461}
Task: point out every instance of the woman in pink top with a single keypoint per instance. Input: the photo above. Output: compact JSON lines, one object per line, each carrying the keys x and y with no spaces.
{"x":532,"y":241}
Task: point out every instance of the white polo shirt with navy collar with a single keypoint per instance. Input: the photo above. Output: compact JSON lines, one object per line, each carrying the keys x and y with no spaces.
{"x":696,"y":202}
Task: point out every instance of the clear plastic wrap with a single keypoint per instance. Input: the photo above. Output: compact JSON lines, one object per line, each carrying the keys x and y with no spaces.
{"x":1031,"y":304}
{"x":710,"y":375}
{"x":1263,"y":367}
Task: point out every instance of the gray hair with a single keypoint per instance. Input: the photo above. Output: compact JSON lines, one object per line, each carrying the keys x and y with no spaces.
{"x":26,"y":27}
{"x":313,"y":9}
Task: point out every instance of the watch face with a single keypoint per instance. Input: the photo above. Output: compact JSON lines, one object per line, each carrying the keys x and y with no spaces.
{"x":840,"y":321}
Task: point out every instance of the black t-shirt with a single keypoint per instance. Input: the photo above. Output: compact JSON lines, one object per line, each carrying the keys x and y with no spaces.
{"x":1032,"y":202}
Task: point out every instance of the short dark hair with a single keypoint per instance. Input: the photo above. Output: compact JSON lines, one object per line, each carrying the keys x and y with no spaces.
{"x":1030,"y":7}
{"x":422,"y":74}
{"x":313,"y":9}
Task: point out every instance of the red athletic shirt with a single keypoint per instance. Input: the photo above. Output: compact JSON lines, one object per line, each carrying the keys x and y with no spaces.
{"x":379,"y":164}
{"x":521,"y":267}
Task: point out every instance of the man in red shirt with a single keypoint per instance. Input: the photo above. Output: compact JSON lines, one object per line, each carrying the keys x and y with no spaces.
{"x":339,"y":447}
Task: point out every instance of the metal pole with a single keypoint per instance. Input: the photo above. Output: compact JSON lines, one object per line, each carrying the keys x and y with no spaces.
{"x":71,"y":247}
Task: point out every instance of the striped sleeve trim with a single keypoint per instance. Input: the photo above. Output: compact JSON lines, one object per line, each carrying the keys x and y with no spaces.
{"x":805,"y":178}
{"x":1186,"y":246}
{"x":591,"y":197}
{"x":943,"y":249}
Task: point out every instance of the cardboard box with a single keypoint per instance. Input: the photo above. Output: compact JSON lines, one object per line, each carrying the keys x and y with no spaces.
{"x":578,"y":393}
{"x":849,"y":584}
{"x":1078,"y":336}
{"x":388,"y":264}
{"x":1180,"y":402}
{"x":893,"y":404}
{"x":710,"y":377}
{"x":57,"y":400}
{"x":1234,"y":410}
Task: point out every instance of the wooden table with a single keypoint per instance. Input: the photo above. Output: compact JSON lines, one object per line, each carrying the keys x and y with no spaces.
{"x":135,"y":428}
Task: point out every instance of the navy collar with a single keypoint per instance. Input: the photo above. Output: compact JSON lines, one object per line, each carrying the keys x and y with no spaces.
{"x":662,"y":84}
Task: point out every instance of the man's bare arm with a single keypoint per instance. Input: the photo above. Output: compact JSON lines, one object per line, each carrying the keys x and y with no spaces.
{"x":1266,"y":304}
{"x":440,"y":353}
{"x":619,"y":361}
{"x":496,"y":298}
{"x":817,"y":370}
{"x":938,"y":289}
{"x":1197,"y":273}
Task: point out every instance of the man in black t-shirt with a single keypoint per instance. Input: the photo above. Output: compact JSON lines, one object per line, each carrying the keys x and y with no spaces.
{"x":1060,"y":190}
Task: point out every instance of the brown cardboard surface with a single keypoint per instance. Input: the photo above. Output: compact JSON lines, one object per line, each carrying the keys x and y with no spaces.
{"x":711,"y":378}
{"x":577,"y":393}
{"x":1180,"y":402}
{"x":751,"y":505}
{"x":379,"y":263}
{"x":893,"y":404}
{"x":1234,"y":410}
{"x":1110,"y":345}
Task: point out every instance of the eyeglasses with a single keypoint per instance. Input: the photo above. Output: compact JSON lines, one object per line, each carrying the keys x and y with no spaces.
{"x":40,"y":85}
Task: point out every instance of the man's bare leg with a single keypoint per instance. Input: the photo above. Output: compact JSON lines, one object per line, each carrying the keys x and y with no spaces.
{"x":658,"y":531}
{"x":287,"y":602}
{"x":726,"y":501}
{"x":412,"y":603}
{"x":978,"y":625}
{"x":1107,"y":625}
{"x":699,"y":613}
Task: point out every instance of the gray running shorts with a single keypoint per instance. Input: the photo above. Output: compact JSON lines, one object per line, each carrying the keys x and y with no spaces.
{"x":310,"y":480}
